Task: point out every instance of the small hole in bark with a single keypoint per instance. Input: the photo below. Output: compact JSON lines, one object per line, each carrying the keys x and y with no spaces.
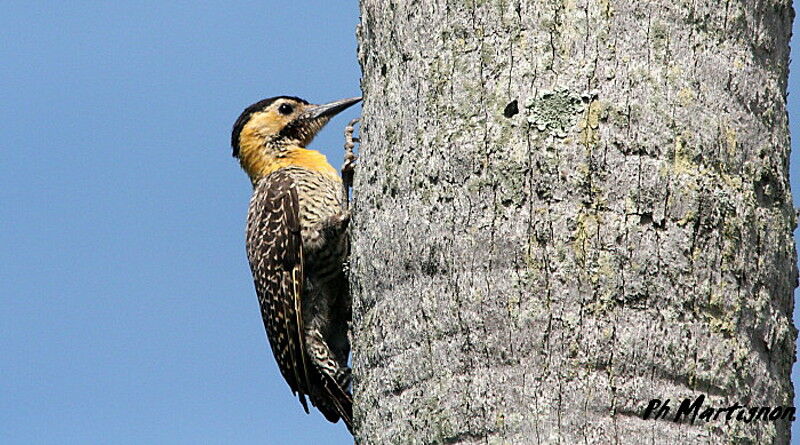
{"x":511,"y":109}
{"x":765,"y":189}
{"x":383,"y":70}
{"x":647,"y":219}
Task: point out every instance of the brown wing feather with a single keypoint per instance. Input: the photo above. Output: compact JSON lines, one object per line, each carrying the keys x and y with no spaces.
{"x":275,"y":251}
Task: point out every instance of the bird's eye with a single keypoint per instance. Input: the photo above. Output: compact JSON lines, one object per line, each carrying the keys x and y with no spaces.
{"x":285,"y":109}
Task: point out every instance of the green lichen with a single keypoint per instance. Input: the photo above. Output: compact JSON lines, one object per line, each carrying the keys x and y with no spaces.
{"x":674,"y":74}
{"x":589,"y":136}
{"x":606,"y":8}
{"x":438,"y":419}
{"x":659,"y":33}
{"x":730,"y":141}
{"x":602,"y":274}
{"x":682,"y":162}
{"x":686,"y":97}
{"x":507,"y":176}
{"x":554,"y":112}
{"x":719,"y":319}
{"x":586,"y":226}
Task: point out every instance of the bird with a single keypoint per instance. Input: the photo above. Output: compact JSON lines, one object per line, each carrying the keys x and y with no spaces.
{"x":297,"y":247}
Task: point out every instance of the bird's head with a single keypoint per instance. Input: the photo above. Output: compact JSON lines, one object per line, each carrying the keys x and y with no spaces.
{"x":270,"y":129}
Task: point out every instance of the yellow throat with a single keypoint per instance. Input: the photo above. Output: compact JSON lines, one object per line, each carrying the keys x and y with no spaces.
{"x":259,"y":160}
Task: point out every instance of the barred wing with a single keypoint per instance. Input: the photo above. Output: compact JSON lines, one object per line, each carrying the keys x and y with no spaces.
{"x":275,"y":251}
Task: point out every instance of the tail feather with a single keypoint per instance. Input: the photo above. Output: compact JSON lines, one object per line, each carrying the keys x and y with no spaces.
{"x":334,"y":402}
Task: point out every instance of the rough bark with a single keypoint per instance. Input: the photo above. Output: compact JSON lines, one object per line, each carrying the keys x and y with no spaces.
{"x":564,"y":209}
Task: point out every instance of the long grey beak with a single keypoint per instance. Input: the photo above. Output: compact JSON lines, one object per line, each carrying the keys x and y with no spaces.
{"x":329,"y":109}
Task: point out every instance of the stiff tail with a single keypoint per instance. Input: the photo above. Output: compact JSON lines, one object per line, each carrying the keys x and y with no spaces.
{"x":334,"y":402}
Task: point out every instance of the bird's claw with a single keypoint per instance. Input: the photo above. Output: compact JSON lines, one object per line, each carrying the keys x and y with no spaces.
{"x":349,"y":140}
{"x":350,"y":158}
{"x":337,"y":222}
{"x":344,"y":377}
{"x":349,"y":168}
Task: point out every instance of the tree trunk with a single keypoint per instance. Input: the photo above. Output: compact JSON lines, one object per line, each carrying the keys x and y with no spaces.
{"x":565,"y":209}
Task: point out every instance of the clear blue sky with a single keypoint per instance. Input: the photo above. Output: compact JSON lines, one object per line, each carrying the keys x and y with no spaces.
{"x":128,"y":313}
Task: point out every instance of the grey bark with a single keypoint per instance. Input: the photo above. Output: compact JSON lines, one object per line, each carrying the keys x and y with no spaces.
{"x":564,"y":209}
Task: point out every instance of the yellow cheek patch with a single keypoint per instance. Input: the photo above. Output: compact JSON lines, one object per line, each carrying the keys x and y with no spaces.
{"x":251,"y":154}
{"x":254,"y":156}
{"x":264,"y":124}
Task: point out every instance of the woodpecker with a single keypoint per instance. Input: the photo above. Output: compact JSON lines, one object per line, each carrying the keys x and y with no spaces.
{"x":297,"y":244}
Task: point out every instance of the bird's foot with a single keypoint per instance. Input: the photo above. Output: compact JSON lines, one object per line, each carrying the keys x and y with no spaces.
{"x":350,"y":158}
{"x":338,"y":221}
{"x":334,"y":226}
{"x":344,"y":377}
